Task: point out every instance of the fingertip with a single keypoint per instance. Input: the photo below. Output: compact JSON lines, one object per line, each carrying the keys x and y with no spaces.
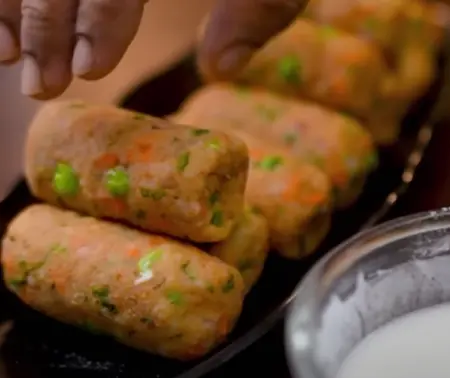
{"x":84,"y":64}
{"x":227,"y":64}
{"x":9,"y":48}
{"x":39,"y":85}
{"x":31,"y":83}
{"x":82,"y":60}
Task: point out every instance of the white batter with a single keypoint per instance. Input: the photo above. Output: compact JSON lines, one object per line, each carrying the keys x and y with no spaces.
{"x":413,"y":346}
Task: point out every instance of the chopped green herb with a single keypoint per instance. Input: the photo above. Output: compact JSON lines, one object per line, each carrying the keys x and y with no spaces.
{"x":198,"y":132}
{"x":78,"y":105}
{"x":355,"y":70}
{"x":317,"y":160}
{"x":371,"y":24}
{"x":111,"y":308}
{"x":214,"y":144}
{"x":146,"y":262}
{"x":228,"y":285}
{"x":327,"y":32}
{"x":290,"y":70}
{"x":27,"y":269}
{"x":100,"y":292}
{"x":139,"y":117}
{"x":17,"y":283}
{"x":352,"y":164}
{"x":372,"y":161}
{"x":246,"y":264}
{"x":147,"y":321}
{"x":65,"y":180}
{"x":183,"y":161}
{"x":210,"y":288}
{"x":214,"y":198}
{"x":141,"y":214}
{"x":417,"y":24}
{"x":242,"y":91}
{"x":175,"y":297}
{"x":267,"y":113}
{"x":270,"y":163}
{"x":256,"y":210}
{"x":217,"y":218}
{"x":186,"y":269}
{"x":58,"y":249}
{"x":90,"y":327}
{"x":155,"y":194}
{"x":117,"y":182}
{"x":290,"y":138}
{"x":176,"y":336}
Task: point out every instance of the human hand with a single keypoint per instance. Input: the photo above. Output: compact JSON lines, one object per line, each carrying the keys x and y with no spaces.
{"x":235,"y":29}
{"x":59,"y":39}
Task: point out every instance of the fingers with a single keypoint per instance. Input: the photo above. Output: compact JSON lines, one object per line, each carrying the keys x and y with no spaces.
{"x":9,"y":31}
{"x":104,"y":30}
{"x":236,"y":28}
{"x":47,"y":44}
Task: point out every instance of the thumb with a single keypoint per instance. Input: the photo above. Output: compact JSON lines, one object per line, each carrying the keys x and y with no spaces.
{"x":235,"y":29}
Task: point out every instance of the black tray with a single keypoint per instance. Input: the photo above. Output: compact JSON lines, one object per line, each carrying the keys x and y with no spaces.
{"x":38,"y":347}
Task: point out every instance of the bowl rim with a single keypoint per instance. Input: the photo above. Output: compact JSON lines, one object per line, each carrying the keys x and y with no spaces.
{"x":356,"y":247}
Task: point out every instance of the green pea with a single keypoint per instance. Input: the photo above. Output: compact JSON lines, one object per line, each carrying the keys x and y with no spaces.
{"x":183,"y":161}
{"x":290,"y":70}
{"x":217,"y":218}
{"x":65,"y":180}
{"x":147,"y":261}
{"x":117,"y":182}
{"x":270,"y":163}
{"x":175,"y":297}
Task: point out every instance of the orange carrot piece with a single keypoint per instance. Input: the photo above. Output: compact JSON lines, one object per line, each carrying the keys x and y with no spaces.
{"x":118,"y":206}
{"x":106,"y":161}
{"x":223,"y":326}
{"x":133,"y":252}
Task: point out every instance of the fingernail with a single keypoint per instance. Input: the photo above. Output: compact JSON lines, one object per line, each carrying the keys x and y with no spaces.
{"x":31,"y":77}
{"x":8,"y":46}
{"x":82,"y":57}
{"x":233,"y":59}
